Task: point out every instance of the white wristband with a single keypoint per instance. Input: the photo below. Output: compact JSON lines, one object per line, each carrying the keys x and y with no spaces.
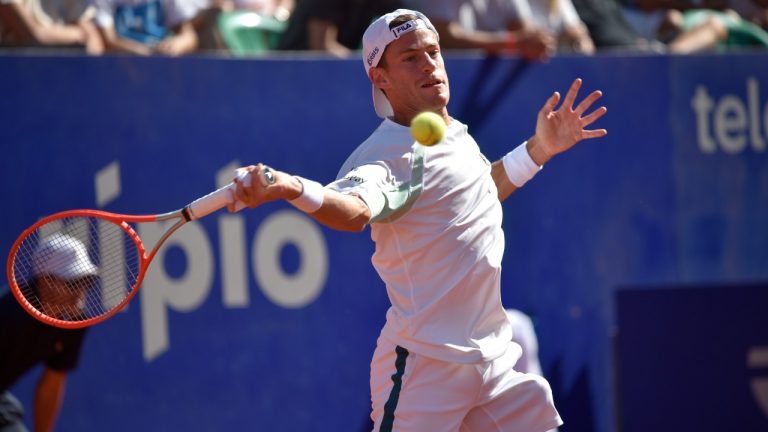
{"x":519,"y":166}
{"x":311,"y":198}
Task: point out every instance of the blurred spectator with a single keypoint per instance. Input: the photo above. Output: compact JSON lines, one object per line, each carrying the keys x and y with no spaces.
{"x":609,"y":28}
{"x":686,"y":36}
{"x":700,"y":29}
{"x":280,"y":9}
{"x":754,"y":11}
{"x":493,"y":26}
{"x":49,"y":23}
{"x":146,"y":27}
{"x":333,"y":26}
{"x":560,"y":18}
{"x":524,"y":334}
{"x":62,"y":270}
{"x":650,"y":18}
{"x":210,"y":30}
{"x":693,"y":26}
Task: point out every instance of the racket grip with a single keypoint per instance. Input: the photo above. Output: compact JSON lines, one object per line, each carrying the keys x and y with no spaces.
{"x":218,"y":199}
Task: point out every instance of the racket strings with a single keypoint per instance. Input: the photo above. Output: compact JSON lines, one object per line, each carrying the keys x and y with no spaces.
{"x":76,"y":268}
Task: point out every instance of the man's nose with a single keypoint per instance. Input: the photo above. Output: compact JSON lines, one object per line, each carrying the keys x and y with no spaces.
{"x":428,"y":63}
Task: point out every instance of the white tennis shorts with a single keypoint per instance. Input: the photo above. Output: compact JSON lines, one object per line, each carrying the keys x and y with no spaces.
{"x":414,"y":393}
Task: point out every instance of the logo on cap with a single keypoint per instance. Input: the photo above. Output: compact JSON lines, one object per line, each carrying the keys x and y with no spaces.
{"x":372,"y":55}
{"x":397,"y":31}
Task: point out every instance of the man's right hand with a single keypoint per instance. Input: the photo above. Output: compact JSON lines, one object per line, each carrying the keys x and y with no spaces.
{"x":259,"y":191}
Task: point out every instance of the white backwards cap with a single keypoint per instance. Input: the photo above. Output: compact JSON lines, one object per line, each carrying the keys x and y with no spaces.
{"x":376,"y":38}
{"x":62,"y":256}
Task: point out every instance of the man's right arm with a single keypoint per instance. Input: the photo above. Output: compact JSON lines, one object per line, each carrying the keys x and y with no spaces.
{"x":343,"y":212}
{"x":340,"y":211}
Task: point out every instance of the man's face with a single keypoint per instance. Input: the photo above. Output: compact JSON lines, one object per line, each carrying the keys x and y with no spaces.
{"x":413,"y":74}
{"x":62,"y":298}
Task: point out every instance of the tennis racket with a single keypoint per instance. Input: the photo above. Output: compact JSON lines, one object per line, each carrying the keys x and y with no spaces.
{"x":77,"y":268}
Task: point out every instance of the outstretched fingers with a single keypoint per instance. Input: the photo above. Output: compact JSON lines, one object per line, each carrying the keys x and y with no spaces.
{"x":550,"y":104}
{"x":587,"y":102}
{"x":570,"y":97}
{"x":595,"y":133}
{"x":593,"y":116}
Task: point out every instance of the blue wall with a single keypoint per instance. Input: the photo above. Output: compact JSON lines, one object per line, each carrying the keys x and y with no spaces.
{"x":676,"y":194}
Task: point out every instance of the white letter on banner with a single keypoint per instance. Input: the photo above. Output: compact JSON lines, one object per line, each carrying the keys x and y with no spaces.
{"x":753,"y":97}
{"x":108,"y":188}
{"x":702,"y":105}
{"x":731,"y":124}
{"x":159,"y":289}
{"x":234,"y":273}
{"x":299,"y":289}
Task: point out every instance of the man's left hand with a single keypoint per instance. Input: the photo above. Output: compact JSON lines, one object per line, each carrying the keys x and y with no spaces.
{"x":559,"y":130}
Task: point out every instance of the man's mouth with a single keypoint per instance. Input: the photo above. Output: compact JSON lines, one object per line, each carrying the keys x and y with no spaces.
{"x":431,"y":83}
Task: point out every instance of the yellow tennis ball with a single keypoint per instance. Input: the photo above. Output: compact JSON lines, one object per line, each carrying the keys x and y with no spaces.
{"x":428,"y":128}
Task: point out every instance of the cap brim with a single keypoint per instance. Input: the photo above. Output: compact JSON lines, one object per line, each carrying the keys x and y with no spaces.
{"x":78,"y":271}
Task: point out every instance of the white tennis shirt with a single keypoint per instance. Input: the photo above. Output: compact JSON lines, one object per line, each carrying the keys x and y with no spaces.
{"x":439,"y":241}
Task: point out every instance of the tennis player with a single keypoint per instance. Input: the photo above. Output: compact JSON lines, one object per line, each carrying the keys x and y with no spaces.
{"x":444,"y":359}
{"x":62,"y":270}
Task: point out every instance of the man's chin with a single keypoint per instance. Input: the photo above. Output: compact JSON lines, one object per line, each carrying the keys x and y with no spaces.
{"x":438,"y":100}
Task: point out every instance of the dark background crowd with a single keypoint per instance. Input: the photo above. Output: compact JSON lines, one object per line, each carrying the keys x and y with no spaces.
{"x":533,"y":29}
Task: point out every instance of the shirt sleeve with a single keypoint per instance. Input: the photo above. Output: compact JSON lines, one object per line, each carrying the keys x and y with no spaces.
{"x":366,"y":181}
{"x":179,"y":11}
{"x":570,"y":16}
{"x":68,"y":351}
{"x":104,"y":12}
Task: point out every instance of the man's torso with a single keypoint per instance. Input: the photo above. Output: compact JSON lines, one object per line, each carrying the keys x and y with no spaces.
{"x":441,"y":259}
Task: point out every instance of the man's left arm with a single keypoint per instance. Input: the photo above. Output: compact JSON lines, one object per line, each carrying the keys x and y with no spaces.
{"x":556,"y":132}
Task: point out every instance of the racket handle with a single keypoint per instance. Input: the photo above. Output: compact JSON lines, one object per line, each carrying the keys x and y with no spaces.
{"x":220,"y":198}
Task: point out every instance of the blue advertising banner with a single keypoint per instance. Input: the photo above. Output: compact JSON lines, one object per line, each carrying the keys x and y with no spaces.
{"x":265,"y":319}
{"x":720,"y":161}
{"x":693,"y":358}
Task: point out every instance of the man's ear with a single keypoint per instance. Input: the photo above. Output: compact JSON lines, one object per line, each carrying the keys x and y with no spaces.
{"x":378,"y":77}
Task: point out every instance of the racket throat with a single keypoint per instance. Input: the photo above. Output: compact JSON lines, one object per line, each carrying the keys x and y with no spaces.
{"x":185,"y":213}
